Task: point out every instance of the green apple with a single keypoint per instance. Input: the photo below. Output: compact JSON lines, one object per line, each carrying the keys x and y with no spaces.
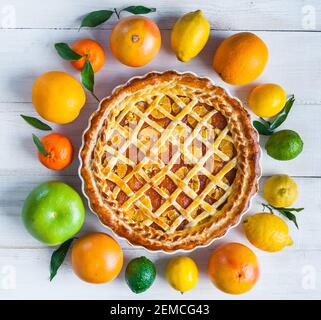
{"x":53,"y":212}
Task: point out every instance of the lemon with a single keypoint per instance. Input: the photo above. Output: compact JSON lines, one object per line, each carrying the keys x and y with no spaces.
{"x":284,"y":145}
{"x":189,"y":35}
{"x":58,"y":97}
{"x":267,"y":232}
{"x":182,"y":273}
{"x":267,"y":100}
{"x":280,"y":191}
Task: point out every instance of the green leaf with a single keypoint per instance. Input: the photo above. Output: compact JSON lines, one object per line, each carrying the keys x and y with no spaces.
{"x":261,"y":128}
{"x":58,"y":257}
{"x":66,"y":52}
{"x":295,"y":209}
{"x":36,"y":123}
{"x":95,"y":18}
{"x":281,"y":117}
{"x":289,"y":215}
{"x":286,"y":212}
{"x":138,"y":10}
{"x":39,"y":145}
{"x":88,"y":76}
{"x":267,"y":123}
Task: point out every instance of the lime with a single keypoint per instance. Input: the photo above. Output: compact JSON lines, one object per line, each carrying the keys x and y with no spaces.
{"x":284,"y":145}
{"x":140,"y":274}
{"x":267,"y":232}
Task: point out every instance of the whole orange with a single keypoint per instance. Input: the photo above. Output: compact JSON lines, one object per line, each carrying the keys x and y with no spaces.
{"x":90,"y":50}
{"x":135,"y":40}
{"x":58,"y":97}
{"x":240,"y":58}
{"x":59,"y":149}
{"x":96,"y":258}
{"x":233,"y":268}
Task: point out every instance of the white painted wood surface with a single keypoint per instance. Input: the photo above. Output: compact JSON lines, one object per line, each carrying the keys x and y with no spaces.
{"x":27,"y":50}
{"x":273,"y":15}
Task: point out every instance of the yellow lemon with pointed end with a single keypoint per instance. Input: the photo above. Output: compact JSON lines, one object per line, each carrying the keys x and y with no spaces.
{"x":267,"y":100}
{"x":58,"y":97}
{"x":267,"y":232}
{"x":182,"y":273}
{"x":189,"y":35}
{"x":280,"y":191}
{"x":240,"y":58}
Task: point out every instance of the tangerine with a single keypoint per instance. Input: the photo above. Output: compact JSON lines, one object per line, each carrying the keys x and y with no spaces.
{"x":92,"y":51}
{"x":59,"y":149}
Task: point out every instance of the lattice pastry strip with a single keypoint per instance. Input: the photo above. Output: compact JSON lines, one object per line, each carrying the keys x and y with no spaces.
{"x":131,"y":137}
{"x":178,"y":154}
{"x":183,"y":185}
{"x":205,"y":214}
{"x":186,"y":189}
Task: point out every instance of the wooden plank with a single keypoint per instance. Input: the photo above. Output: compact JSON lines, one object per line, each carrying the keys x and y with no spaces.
{"x":223,"y":15}
{"x":13,"y":193}
{"x":28,"y":53}
{"x":283,"y":276}
{"x":19,"y":152}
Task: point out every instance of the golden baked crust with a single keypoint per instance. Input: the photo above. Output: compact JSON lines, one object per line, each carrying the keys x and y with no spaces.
{"x":203,"y":184}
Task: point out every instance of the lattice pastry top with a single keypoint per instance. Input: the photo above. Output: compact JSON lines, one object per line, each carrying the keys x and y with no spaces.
{"x":170,"y":161}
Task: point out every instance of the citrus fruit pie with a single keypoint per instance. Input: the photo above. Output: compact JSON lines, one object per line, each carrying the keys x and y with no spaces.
{"x":170,"y":161}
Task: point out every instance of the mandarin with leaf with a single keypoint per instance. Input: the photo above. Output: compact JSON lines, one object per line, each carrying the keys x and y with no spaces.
{"x":58,"y":151}
{"x":91,"y":51}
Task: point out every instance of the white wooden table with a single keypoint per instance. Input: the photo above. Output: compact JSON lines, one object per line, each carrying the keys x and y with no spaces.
{"x":292,"y":31}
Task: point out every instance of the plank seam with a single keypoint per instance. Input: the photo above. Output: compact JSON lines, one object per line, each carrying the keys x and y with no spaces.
{"x":164,"y":29}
